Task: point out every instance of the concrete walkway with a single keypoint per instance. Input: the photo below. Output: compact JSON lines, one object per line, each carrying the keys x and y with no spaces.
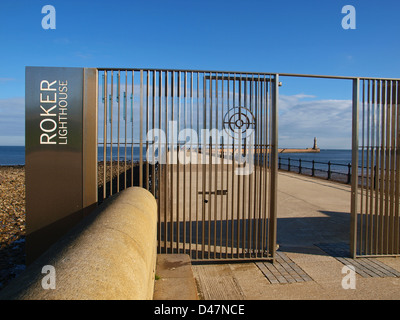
{"x":313,"y":215}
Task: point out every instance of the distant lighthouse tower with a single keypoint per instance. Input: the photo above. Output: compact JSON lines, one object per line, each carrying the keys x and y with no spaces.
{"x":315,"y":144}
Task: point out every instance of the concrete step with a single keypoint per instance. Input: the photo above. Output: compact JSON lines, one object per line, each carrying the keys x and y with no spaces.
{"x":175,"y":279}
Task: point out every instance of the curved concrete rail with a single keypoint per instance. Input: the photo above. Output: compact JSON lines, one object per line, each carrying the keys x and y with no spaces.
{"x":110,"y":255}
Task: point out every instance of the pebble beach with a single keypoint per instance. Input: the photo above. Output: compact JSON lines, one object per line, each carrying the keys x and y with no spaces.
{"x":12,"y":222}
{"x":12,"y":219}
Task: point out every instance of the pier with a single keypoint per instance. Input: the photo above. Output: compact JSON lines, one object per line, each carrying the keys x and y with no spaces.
{"x":314,"y":149}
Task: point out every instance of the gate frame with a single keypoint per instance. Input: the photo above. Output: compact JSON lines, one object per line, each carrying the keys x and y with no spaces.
{"x":273,"y":140}
{"x":382,"y":100}
{"x":354,"y":169}
{"x":355,"y":154}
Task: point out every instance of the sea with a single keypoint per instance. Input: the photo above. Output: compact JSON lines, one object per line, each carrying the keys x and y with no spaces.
{"x":10,"y":156}
{"x":339,"y":159}
{"x":15,"y":155}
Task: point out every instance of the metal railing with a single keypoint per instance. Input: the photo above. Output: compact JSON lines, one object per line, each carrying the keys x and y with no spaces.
{"x":367,"y":177}
{"x":325,"y":170}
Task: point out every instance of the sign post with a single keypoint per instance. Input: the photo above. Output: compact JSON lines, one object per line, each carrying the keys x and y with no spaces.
{"x":60,"y":152}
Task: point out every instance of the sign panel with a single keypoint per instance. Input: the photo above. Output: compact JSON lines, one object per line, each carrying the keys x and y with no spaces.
{"x":54,"y":126}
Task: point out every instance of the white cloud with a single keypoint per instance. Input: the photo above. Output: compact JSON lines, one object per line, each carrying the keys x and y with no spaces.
{"x":6,"y":79}
{"x":62,"y":41}
{"x":301,"y":118}
{"x":300,"y":121}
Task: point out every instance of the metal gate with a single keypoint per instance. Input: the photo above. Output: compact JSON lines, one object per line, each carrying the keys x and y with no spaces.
{"x":205,"y":144}
{"x":376,"y":184}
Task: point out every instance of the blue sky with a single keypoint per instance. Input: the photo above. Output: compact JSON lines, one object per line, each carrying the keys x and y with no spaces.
{"x":262,"y":36}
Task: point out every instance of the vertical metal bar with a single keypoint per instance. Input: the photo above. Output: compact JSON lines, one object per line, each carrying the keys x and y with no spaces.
{"x":102,"y":73}
{"x":225,"y":155}
{"x":361,"y":220}
{"x":118,"y":125}
{"x":132,"y":138}
{"x":243,"y":150}
{"x":250,"y":176}
{"x":155,"y":179}
{"x":261,"y":186}
{"x":231,"y":188}
{"x":254,"y":209}
{"x":147,"y":128}
{"x":210,"y":169}
{"x":245,"y":182}
{"x":268,"y":95}
{"x":178,"y":164}
{"x":265,"y":212}
{"x":387,"y":165}
{"x":126,"y":123}
{"x":167,"y":177}
{"x":377,"y":157}
{"x":161,"y":166}
{"x":153,"y":167}
{"x":255,"y":188}
{"x":392,"y":165}
{"x":372,"y":166}
{"x":239,"y":222}
{"x":274,"y":170}
{"x":261,"y":160}
{"x":192,"y":188}
{"x":111,"y":132}
{"x":254,"y":154}
{"x":105,"y":137}
{"x":215,"y":158}
{"x":233,"y":207}
{"x":226,"y":162}
{"x":368,"y":182}
{"x":141,"y":132}
{"x":354,"y":176}
{"x":184,"y":164}
{"x":172,"y":177}
{"x":382,"y":170}
{"x":260,"y":167}
{"x":258,"y":170}
{"x":161,"y":169}
{"x":224,"y":222}
{"x":397,"y":179}
{"x":203,"y":151}
{"x":197,"y":163}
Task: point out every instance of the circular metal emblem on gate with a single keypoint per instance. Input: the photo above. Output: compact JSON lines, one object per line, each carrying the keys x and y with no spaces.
{"x":238,"y":121}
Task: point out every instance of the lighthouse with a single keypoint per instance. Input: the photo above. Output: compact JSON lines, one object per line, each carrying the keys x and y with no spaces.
{"x":315,"y":143}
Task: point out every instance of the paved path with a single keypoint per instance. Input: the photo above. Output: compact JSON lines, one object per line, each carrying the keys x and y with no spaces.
{"x":313,"y":233}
